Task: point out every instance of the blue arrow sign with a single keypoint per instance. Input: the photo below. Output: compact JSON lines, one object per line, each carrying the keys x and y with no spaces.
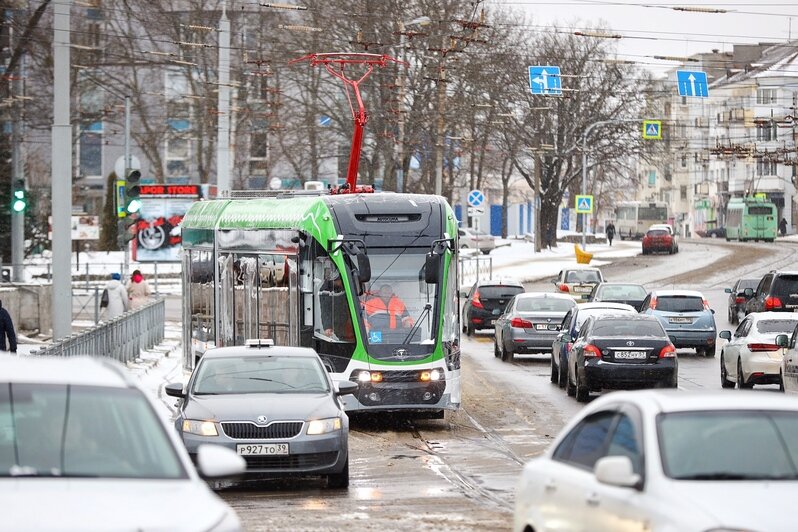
{"x":545,"y":80}
{"x":476,"y":198}
{"x":324,"y":120}
{"x":692,"y":83}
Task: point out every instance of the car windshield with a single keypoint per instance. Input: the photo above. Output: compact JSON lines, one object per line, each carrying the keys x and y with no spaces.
{"x":680,"y":303}
{"x":729,"y":445}
{"x":83,"y":431}
{"x":544,"y":304}
{"x":628,"y":291}
{"x":584,"y":314}
{"x":499,"y":292}
{"x":256,"y":374}
{"x":627,"y":328}
{"x":776,"y":326}
{"x":583,"y":276}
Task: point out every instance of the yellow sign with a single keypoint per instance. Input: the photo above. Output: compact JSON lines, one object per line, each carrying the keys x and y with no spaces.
{"x":652,"y":129}
{"x":761,"y":195}
{"x":584,"y":205}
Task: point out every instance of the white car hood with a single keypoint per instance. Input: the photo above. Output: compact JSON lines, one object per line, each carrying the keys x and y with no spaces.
{"x":87,"y":505}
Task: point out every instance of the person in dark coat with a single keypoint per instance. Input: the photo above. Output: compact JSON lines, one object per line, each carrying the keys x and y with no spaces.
{"x":783,"y":227}
{"x":551,"y":236}
{"x":7,"y":330}
{"x":610,"y":232}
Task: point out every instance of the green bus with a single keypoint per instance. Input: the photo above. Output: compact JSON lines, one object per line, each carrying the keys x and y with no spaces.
{"x":751,"y":218}
{"x":306,"y":268}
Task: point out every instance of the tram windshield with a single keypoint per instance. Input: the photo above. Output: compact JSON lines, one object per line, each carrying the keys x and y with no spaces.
{"x":398,"y":306}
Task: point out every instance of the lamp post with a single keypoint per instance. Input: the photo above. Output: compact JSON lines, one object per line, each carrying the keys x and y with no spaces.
{"x":400,"y":145}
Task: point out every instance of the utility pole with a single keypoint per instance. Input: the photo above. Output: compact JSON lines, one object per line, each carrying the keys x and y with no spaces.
{"x":223,"y":124}
{"x":18,"y":217}
{"x":61,"y":172}
{"x":128,"y":166}
{"x":440,"y":130}
{"x":538,"y":200}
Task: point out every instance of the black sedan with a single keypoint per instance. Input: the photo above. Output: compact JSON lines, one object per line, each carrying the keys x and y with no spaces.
{"x":530,"y":324}
{"x":485,"y":302}
{"x":626,"y":293}
{"x":621,"y":351}
{"x":738,"y":299}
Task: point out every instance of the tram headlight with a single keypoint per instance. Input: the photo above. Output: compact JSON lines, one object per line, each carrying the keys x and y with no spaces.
{"x":369,"y":376}
{"x":323,"y":426}
{"x":200,"y":428}
{"x":431,"y":375}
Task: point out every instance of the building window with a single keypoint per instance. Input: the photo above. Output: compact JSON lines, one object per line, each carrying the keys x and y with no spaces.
{"x":766,"y":132}
{"x":259,"y":145}
{"x":765,"y":168}
{"x":684,"y":161}
{"x":91,"y":150}
{"x":652,"y":178}
{"x":766,"y":96}
{"x":683,"y":192}
{"x":177,"y":153}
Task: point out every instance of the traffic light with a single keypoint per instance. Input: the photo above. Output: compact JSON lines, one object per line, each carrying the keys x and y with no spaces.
{"x":132,"y":191}
{"x":123,"y":232}
{"x":19,"y":200}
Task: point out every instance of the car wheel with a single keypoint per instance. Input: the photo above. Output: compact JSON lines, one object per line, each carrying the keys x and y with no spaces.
{"x":724,"y":375}
{"x":469,"y":330}
{"x":339,"y":480}
{"x":555,"y":373}
{"x":486,"y":252}
{"x":507,"y":355}
{"x":563,"y":374}
{"x":741,"y":384}
{"x":570,"y":388}
{"x":496,"y":351}
{"x":582,"y":391}
{"x":709,"y":352}
{"x":781,"y":381}
{"x":730,"y":316}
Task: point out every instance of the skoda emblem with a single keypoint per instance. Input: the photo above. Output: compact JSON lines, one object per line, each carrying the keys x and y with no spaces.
{"x":262,"y":420}
{"x":630,"y":343}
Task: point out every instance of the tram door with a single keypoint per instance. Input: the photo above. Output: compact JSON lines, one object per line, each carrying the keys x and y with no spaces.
{"x":258,"y":298}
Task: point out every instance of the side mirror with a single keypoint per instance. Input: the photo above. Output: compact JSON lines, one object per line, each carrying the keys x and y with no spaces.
{"x":215,"y":461}
{"x":432,"y":268}
{"x":174,"y":389}
{"x":363,"y":268}
{"x":726,"y":335}
{"x":712,"y":310}
{"x":616,"y":471}
{"x":782,"y":340}
{"x":554,"y":281}
{"x":748,"y":292}
{"x":727,"y":290}
{"x":346,"y":388}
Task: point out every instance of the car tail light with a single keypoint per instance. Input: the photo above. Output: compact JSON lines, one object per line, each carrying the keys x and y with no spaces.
{"x":668,"y":351}
{"x":563,"y":287}
{"x":772,"y":302}
{"x":653,"y":304}
{"x":521,"y":323}
{"x":706,"y":304}
{"x":591,"y":350}
{"x":475,"y":301}
{"x":762,"y":347}
{"x":739,"y":300}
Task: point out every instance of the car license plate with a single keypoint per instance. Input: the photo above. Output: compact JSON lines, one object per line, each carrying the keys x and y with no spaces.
{"x":680,"y":320}
{"x":583,"y":289}
{"x":258,"y":449}
{"x":542,"y":326}
{"x":630,"y":354}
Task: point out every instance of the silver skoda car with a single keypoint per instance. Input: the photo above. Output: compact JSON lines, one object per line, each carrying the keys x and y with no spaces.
{"x":275,"y":406}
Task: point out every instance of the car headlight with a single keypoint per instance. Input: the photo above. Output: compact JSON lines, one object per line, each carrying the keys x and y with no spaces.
{"x":323,"y":426}
{"x":200,"y":428}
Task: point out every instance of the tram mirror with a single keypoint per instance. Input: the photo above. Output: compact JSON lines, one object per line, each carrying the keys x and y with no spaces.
{"x":432,"y":267}
{"x":363,"y":268}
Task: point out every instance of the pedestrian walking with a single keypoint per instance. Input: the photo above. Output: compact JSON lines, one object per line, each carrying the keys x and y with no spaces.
{"x":610,"y":231}
{"x":783,"y":227}
{"x":138,"y":290}
{"x":551,"y":236}
{"x":7,"y":331}
{"x":118,"y":300}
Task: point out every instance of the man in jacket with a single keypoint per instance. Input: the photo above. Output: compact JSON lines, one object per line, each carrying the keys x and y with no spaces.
{"x":7,"y":330}
{"x":117,"y":297}
{"x":386,"y":306}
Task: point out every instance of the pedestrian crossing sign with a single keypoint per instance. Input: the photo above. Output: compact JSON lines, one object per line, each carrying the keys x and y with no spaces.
{"x":584,"y":205}
{"x":652,"y":129}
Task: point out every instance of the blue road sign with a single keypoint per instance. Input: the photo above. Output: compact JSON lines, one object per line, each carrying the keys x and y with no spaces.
{"x":652,"y":129}
{"x":584,"y":204}
{"x":692,"y":83}
{"x":545,"y":80}
{"x":324,"y":120}
{"x":476,"y":198}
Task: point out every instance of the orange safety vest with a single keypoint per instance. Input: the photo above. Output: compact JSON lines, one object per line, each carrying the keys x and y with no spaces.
{"x":394,"y":309}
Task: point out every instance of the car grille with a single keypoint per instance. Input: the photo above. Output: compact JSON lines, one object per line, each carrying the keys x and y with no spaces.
{"x":292,"y":461}
{"x":250,"y":431}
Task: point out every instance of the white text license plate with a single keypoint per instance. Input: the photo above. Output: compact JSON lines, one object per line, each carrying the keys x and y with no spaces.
{"x":681,"y":320}
{"x":257,"y":449}
{"x":583,"y":289}
{"x":541,"y":326}
{"x":630,"y":354}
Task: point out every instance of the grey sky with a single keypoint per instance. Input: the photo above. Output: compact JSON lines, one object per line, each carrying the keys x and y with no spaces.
{"x":660,"y":30}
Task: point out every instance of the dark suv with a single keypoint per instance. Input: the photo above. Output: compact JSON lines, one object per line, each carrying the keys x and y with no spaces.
{"x":776,"y":292}
{"x":485,"y":302}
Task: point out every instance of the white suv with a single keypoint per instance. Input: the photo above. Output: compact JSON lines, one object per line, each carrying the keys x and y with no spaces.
{"x":473,"y":239}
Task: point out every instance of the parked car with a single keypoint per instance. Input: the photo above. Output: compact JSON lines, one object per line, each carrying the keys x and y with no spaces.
{"x":659,"y":240}
{"x":738,"y":298}
{"x":626,"y":293}
{"x":530,"y":324}
{"x":474,"y":239}
{"x":578,"y":282}
{"x":666,"y":460}
{"x":82,"y":447}
{"x":717,"y":232}
{"x":752,"y":356}
{"x":789,"y":361}
{"x":686,"y":317}
{"x":777,"y":291}
{"x":619,"y":351}
{"x":569,"y":330}
{"x":486,"y":301}
{"x":275,"y":406}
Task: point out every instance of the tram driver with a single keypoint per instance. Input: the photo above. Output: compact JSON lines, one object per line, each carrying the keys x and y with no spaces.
{"x":386,"y":311}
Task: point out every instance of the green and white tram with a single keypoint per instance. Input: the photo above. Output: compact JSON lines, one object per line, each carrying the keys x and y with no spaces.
{"x":751,"y":218}
{"x":305,"y":270}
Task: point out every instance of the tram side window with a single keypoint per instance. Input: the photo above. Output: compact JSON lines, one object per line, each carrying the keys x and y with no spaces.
{"x":274,"y":307}
{"x":201,"y":296}
{"x":451,"y":324}
{"x":332,"y":320}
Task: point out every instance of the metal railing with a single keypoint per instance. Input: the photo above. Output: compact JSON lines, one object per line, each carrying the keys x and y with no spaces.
{"x":121,"y":338}
{"x":474,"y":268}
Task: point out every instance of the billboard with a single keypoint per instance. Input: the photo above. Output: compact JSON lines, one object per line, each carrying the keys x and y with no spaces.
{"x":158,"y":225}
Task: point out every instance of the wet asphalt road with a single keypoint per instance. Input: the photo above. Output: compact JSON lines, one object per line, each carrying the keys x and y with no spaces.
{"x":460,"y":473}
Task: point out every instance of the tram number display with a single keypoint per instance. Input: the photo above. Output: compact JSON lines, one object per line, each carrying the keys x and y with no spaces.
{"x":254,"y":449}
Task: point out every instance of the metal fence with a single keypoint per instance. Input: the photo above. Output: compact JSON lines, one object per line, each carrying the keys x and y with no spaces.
{"x":121,"y":338}
{"x":475,"y":268}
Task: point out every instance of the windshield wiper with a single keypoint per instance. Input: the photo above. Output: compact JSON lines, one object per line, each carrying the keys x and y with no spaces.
{"x":734,"y":476}
{"x":424,"y":314}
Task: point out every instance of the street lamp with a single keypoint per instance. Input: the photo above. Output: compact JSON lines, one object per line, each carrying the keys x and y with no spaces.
{"x":400,"y":171}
